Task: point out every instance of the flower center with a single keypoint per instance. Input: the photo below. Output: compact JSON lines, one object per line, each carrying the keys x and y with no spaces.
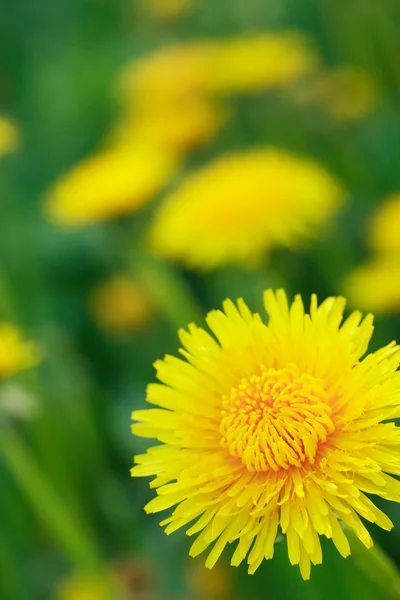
{"x":276,"y":420}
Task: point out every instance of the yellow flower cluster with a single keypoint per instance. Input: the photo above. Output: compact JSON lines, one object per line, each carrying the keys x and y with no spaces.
{"x":239,"y":206}
{"x":376,"y":284}
{"x":16,"y":354}
{"x":169,"y":108}
{"x":9,"y":136}
{"x":278,"y":427}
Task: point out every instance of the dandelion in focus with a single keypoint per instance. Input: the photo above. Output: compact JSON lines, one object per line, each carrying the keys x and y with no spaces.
{"x":118,"y":304}
{"x":16,"y":354}
{"x":108,"y":185}
{"x":238,"y":207}
{"x":9,"y":136}
{"x":346,"y":93}
{"x":376,"y":285}
{"x":385,"y":226}
{"x":167,"y":10}
{"x":278,"y":427}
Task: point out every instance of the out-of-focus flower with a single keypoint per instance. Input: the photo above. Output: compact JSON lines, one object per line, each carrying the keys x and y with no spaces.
{"x":130,"y":578}
{"x":177,"y":127}
{"x":9,"y":136}
{"x":238,"y":207}
{"x":385,"y":226}
{"x":16,"y":354}
{"x":253,"y":62}
{"x":119,"y":304}
{"x":166,"y":10}
{"x":248,"y":63}
{"x":346,"y":93}
{"x":376,"y":285}
{"x":109,"y":184}
{"x":167,"y":75}
{"x":278,"y":427}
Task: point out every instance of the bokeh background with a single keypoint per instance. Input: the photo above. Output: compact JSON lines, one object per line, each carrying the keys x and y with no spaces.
{"x":140,"y":95}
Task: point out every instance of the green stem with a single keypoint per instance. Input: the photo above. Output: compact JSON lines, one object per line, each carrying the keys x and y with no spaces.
{"x":62,"y":524}
{"x":376,"y":565}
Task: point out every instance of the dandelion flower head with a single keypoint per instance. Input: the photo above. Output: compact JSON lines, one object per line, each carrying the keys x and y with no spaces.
{"x":278,"y":427}
{"x":16,"y":354}
{"x":236,"y":208}
{"x":109,"y":184}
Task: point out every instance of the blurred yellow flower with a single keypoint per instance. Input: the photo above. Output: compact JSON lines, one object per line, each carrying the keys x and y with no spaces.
{"x":119,"y":304}
{"x":246,"y":63}
{"x":109,"y":184}
{"x":268,"y":428}
{"x":268,"y":60}
{"x":376,"y":285}
{"x":346,"y":93}
{"x":177,"y":127}
{"x":16,"y":354}
{"x":9,"y":136}
{"x":385,"y":226}
{"x":236,"y":208}
{"x":167,"y":74}
{"x":167,"y":9}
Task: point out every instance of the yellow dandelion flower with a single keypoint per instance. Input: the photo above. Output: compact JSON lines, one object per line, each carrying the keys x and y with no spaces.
{"x":236,"y":208}
{"x":385,"y":226}
{"x":248,"y":63}
{"x":268,"y":60}
{"x":9,"y":136}
{"x":109,"y":184}
{"x":119,"y":304}
{"x":278,"y":427}
{"x":16,"y":354}
{"x":376,"y":285}
{"x":176,"y":127}
{"x":167,"y":10}
{"x":167,"y":74}
{"x":346,"y":93}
